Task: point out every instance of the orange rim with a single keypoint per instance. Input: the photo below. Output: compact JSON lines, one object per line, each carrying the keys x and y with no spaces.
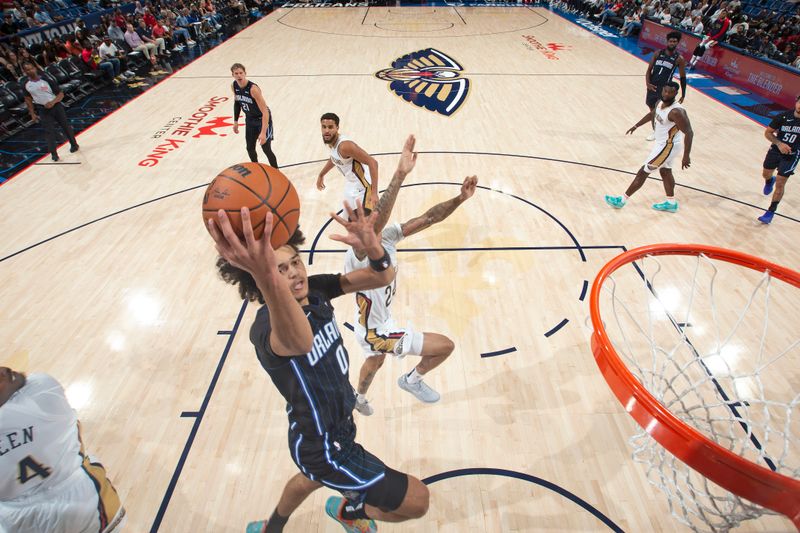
{"x":736,"y":474}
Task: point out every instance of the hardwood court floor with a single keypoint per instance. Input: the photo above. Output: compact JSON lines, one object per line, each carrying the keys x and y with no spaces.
{"x":123,"y":306}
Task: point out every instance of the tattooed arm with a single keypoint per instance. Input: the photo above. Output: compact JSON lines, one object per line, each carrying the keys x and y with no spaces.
{"x":440,"y":211}
{"x":406,"y":164}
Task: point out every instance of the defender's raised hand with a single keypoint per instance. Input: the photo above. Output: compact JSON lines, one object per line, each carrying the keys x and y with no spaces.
{"x":468,"y":188}
{"x":360,"y":228}
{"x":408,"y":158}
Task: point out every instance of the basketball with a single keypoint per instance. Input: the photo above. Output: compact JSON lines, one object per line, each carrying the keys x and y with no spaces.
{"x":262,"y":189}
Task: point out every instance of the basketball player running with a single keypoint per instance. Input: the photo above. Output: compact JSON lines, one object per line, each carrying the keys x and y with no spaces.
{"x":47,"y":481}
{"x":784,"y":134}
{"x":661,"y":70}
{"x":360,"y":170}
{"x":672,"y":130}
{"x":248,"y":98}
{"x":299,"y":345}
{"x":375,"y":329}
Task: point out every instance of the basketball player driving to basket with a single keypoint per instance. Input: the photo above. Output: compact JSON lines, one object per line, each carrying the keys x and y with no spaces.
{"x":299,"y":345}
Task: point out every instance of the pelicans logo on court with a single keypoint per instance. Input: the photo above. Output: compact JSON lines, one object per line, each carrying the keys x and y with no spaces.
{"x":429,"y":79}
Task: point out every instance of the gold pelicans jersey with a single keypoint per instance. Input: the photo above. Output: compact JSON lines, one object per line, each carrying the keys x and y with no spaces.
{"x":39,"y":443}
{"x":356,"y":175}
{"x":373,"y":306}
{"x":666,"y":130}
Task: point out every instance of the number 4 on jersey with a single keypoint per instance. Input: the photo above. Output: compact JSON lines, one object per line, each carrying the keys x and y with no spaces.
{"x":29,"y":468}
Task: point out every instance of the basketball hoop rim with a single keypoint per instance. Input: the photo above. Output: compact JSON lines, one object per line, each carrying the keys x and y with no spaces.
{"x":736,"y":474}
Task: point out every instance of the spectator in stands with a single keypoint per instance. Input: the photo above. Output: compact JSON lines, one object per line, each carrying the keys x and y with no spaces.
{"x":115,"y":32}
{"x":72,"y":45}
{"x":8,"y":27}
{"x":739,"y":39}
{"x":43,"y":98}
{"x":61,"y":49}
{"x":119,"y":19}
{"x":30,"y":20}
{"x":91,"y":58}
{"x":80,"y":26}
{"x":184,"y":21}
{"x":676,"y":11}
{"x":650,"y":9}
{"x":49,"y":54}
{"x":108,"y":51}
{"x":148,"y":18}
{"x":756,"y":42}
{"x":146,"y":34}
{"x":181,"y":33}
{"x":209,"y":13}
{"x":697,"y":26}
{"x":158,"y":31}
{"x":611,"y":10}
{"x":633,"y":23}
{"x":136,"y":43}
{"x":25,"y":55}
{"x":697,"y":11}
{"x":42,"y":17}
{"x":13,"y":63}
{"x":663,"y":16}
{"x":716,"y":34}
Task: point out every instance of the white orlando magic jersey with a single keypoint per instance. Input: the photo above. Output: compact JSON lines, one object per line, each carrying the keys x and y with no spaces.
{"x":666,"y":130}
{"x":356,"y":175}
{"x":39,"y":443}
{"x":373,"y":305}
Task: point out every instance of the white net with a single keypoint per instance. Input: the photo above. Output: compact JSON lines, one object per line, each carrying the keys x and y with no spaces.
{"x":717,"y":345}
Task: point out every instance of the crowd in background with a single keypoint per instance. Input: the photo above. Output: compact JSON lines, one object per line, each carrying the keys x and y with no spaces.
{"x":155,"y":29}
{"x":768,"y":32}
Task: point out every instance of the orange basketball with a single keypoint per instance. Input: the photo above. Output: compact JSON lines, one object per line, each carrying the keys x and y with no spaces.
{"x":260,"y":188}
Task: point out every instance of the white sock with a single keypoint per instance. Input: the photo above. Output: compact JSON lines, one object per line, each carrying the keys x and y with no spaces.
{"x":413,"y":377}
{"x":360,"y":398}
{"x":671,"y":199}
{"x":625,"y":197}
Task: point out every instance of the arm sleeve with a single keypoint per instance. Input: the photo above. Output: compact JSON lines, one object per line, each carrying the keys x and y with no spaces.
{"x":237,"y":109}
{"x":330,"y":285}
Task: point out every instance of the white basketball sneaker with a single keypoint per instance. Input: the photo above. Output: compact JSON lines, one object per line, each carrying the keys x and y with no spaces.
{"x":364,"y":407}
{"x":419,"y":389}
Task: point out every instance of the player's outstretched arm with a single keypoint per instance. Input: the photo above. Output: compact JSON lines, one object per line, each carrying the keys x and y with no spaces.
{"x":440,"y":211}
{"x":647,"y":119}
{"x":321,"y":178}
{"x":361,"y":236}
{"x":408,"y":158}
{"x":291,"y":333}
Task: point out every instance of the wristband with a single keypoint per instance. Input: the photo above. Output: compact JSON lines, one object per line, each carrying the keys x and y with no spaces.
{"x":379,"y":265}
